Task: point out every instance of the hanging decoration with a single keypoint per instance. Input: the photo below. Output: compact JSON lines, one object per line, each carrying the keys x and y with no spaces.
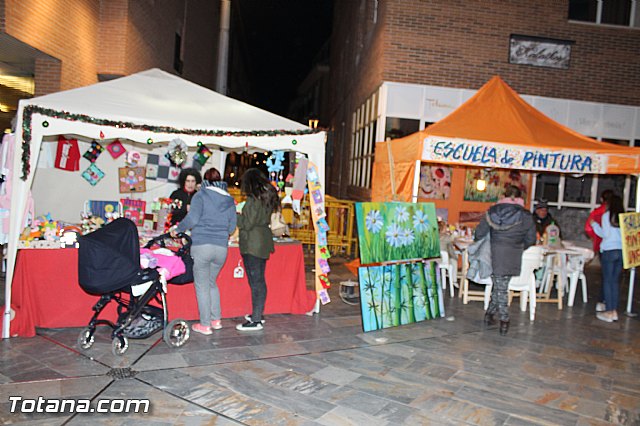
{"x":177,"y":153}
{"x":318,"y":215}
{"x":93,"y":174}
{"x":275,"y":168}
{"x":94,"y":152}
{"x":202,"y":155}
{"x":132,"y":179}
{"x":116,"y":149}
{"x":67,"y":154}
{"x":133,"y":158}
{"x":29,"y":110}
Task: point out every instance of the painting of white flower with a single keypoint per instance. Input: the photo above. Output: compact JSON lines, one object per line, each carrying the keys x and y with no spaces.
{"x":401,"y":214}
{"x":407,"y":237}
{"x":393,"y":235}
{"x":374,"y":221}
{"x":420,"y":221}
{"x":396,"y":231}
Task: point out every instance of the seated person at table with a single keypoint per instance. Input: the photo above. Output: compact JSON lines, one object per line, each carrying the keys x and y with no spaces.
{"x":511,"y":231}
{"x":188,"y":181}
{"x":542,"y":217}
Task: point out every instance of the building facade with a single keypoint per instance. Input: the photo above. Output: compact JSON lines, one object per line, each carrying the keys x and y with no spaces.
{"x":49,"y":46}
{"x":399,"y":65}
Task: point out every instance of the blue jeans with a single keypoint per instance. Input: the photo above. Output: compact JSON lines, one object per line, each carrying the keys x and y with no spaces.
{"x":255,"y":268}
{"x":611,"y":263}
{"x":208,"y":260}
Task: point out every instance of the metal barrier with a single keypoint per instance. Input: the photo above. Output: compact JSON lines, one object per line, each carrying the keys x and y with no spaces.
{"x":341,"y":238}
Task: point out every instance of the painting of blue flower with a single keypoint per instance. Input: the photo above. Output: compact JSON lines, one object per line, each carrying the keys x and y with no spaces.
{"x":397,"y":231}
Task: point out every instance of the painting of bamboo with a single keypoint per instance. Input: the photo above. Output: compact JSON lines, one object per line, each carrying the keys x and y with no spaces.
{"x":397,"y":231}
{"x":399,"y":294}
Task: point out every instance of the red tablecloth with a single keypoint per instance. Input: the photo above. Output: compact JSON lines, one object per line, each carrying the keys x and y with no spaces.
{"x":46,"y":292}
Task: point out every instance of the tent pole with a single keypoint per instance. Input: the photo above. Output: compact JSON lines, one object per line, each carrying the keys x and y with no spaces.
{"x":416,"y":182}
{"x":632,"y":274}
{"x":391,"y":172}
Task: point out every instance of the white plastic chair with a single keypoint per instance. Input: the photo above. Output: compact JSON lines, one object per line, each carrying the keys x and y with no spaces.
{"x":448,"y":271}
{"x":575,"y":272}
{"x":525,"y":283}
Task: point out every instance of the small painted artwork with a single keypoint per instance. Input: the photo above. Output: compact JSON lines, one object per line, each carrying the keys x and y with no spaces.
{"x":94,"y":152}
{"x":497,"y":181}
{"x":394,"y":295}
{"x":132,"y":179}
{"x":435,"y":182}
{"x":397,"y":231}
{"x":93,"y":174}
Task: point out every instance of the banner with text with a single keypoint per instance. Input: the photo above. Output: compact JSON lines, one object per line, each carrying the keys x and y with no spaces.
{"x":486,"y":154}
{"x":630,"y":231}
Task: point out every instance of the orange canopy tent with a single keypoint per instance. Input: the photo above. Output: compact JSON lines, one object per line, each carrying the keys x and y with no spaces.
{"x":495,"y":128}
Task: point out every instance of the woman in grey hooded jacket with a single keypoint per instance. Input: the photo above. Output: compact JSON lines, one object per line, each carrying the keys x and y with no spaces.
{"x":211,"y":218}
{"x":512,"y":230}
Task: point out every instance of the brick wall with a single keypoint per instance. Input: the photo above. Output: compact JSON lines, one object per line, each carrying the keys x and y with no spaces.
{"x":88,"y":37}
{"x":65,"y":30}
{"x":462,"y":44}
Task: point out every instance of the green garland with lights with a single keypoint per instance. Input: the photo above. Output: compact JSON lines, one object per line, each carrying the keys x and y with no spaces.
{"x":29,"y":110}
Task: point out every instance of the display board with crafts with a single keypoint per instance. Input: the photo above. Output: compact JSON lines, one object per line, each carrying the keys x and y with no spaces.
{"x":106,"y":179}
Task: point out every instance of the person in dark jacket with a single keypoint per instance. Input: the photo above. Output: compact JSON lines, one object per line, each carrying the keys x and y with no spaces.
{"x":256,"y":240}
{"x":511,"y":230}
{"x":188,"y":181}
{"x":211,"y":218}
{"x":542,"y":217}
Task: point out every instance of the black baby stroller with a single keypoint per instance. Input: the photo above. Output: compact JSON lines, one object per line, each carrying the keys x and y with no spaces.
{"x":109,"y":266}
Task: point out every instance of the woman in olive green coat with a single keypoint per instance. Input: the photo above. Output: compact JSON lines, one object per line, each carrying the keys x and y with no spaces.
{"x":256,"y":240}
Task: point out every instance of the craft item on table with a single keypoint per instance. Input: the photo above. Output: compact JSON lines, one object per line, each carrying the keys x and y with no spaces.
{"x":67,"y":155}
{"x":132,"y":179}
{"x":134,"y":210}
{"x":108,"y":210}
{"x":69,"y":238}
{"x":133,"y":158}
{"x":148,"y":224}
{"x":90,"y":223}
{"x":322,"y":225}
{"x":159,"y":168}
{"x":93,"y":174}
{"x":321,"y":238}
{"x":202,"y":154}
{"x":116,"y":149}
{"x":93,"y":152}
{"x":177,"y":153}
{"x":323,"y":295}
{"x":324,"y":266}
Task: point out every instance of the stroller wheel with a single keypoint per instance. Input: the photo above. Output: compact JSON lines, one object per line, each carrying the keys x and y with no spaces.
{"x":176,"y":333}
{"x":86,"y":338}
{"x":119,"y":345}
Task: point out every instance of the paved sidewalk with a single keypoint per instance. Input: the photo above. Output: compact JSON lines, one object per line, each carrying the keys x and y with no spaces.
{"x":566,"y":368}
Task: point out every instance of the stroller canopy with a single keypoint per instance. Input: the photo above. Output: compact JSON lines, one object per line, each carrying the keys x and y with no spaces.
{"x":109,"y":258}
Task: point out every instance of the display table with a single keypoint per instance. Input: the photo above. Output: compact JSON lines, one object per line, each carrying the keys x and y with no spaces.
{"x":46,"y":292}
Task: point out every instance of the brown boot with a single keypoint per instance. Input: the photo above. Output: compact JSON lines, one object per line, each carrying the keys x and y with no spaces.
{"x":504,"y":327}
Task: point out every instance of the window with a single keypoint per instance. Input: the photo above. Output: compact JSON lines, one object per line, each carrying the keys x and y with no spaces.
{"x":399,"y":127}
{"x":547,"y":186}
{"x":577,"y":189}
{"x":363,"y":143}
{"x":611,"y":12}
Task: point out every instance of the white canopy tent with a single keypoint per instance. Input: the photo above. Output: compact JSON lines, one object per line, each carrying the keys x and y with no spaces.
{"x":147,"y":107}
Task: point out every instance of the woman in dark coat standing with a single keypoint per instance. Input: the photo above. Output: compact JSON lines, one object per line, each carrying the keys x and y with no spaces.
{"x":511,"y":230}
{"x":256,"y":240}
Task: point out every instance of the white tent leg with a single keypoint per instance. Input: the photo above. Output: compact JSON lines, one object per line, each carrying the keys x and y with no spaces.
{"x":632,"y":274}
{"x":416,"y":182}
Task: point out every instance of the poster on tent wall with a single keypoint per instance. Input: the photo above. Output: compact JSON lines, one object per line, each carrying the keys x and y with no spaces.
{"x":497,"y":182}
{"x":630,"y":232}
{"x":435,"y":182}
{"x":399,"y":294}
{"x":397,"y":231}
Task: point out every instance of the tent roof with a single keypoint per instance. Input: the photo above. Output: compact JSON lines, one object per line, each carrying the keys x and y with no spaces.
{"x":155,"y":97}
{"x":497,"y":128}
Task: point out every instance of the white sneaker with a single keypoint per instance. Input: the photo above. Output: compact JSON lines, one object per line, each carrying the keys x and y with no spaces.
{"x":601,"y":307}
{"x":248,"y":318}
{"x":606,"y":316}
{"x":249,"y":326}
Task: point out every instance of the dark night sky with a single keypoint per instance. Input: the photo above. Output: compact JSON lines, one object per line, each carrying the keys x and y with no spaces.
{"x":281,"y":38}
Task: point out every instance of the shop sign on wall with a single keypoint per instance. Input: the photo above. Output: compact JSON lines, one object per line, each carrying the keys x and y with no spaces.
{"x":484,"y":154}
{"x":540,"y":52}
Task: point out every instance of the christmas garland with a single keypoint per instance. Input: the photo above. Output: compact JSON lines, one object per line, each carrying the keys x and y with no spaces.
{"x":29,"y":110}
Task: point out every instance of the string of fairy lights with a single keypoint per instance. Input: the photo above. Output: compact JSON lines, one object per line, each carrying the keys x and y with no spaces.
{"x":29,"y":110}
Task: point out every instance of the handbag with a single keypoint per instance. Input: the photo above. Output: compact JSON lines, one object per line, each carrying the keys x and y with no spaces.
{"x":278,"y":225}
